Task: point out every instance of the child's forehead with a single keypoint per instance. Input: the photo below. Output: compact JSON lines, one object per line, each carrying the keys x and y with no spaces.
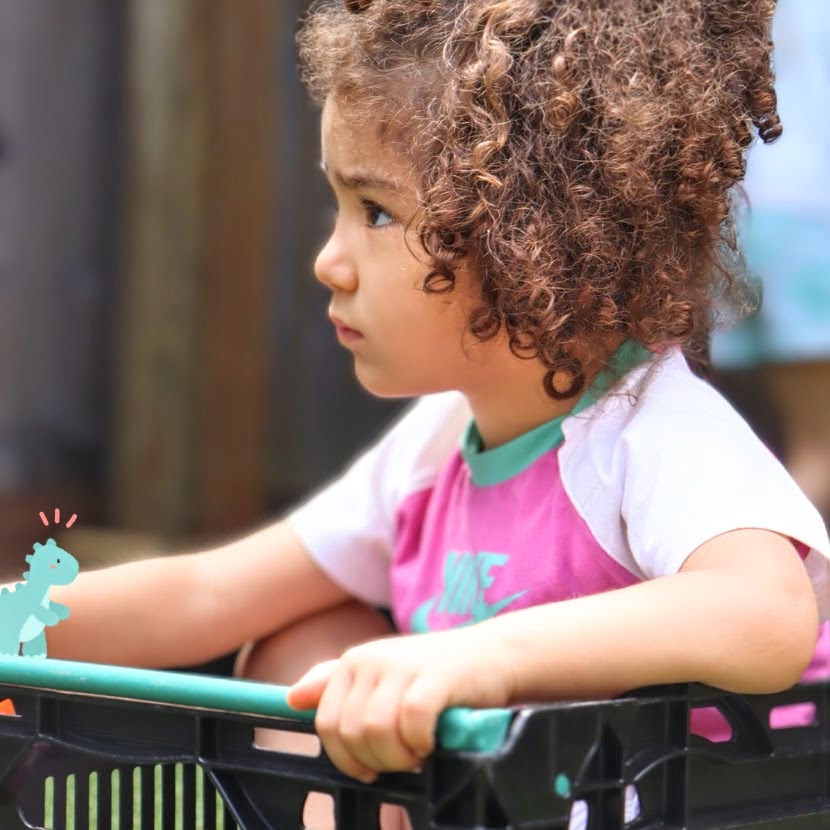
{"x":354,"y":146}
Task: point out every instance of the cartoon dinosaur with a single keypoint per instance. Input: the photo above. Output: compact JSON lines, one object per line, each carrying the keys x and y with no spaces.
{"x":27,"y":610}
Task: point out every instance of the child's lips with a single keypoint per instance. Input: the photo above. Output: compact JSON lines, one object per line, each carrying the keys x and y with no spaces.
{"x":344,"y":332}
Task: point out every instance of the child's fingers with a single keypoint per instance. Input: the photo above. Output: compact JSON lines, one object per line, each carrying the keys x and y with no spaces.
{"x":328,"y":723}
{"x":354,"y":710}
{"x":381,"y":726}
{"x":422,"y":703}
{"x":307,"y":691}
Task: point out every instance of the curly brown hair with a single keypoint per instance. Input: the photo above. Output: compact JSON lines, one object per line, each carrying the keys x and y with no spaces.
{"x":582,"y":153}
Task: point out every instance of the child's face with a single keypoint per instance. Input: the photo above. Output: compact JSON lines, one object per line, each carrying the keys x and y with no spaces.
{"x":404,"y":342}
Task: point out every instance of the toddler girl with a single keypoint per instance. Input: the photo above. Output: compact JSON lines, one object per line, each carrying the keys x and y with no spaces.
{"x":534,"y":221}
{"x":533,"y":236}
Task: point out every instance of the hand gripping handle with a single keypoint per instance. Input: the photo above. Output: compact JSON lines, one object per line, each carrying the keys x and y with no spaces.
{"x":460,"y":729}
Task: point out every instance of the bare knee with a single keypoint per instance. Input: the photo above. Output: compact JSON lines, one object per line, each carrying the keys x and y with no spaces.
{"x":285,"y":655}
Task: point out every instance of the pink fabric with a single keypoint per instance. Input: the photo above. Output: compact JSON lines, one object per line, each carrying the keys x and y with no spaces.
{"x":709,"y":723}
{"x":819,"y":668}
{"x":464,"y":551}
{"x":521,"y":538}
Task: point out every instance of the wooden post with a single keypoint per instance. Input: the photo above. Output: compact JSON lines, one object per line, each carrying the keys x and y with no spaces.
{"x":231,"y":389}
{"x":189,"y":426}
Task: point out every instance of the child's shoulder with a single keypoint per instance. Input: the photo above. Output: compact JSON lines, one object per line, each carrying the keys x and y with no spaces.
{"x":664,"y":463}
{"x":412,"y":451}
{"x":431,"y":425}
{"x":661,"y":402}
{"x":663,"y":428}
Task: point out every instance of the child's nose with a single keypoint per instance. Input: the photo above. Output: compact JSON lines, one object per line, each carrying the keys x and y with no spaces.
{"x":334,"y":268}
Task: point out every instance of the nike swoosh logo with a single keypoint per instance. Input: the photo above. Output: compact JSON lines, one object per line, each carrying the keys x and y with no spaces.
{"x":483,"y":610}
{"x":419,"y":623}
{"x":420,"y":619}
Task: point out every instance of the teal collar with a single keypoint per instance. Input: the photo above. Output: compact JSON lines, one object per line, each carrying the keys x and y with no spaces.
{"x":489,"y":467}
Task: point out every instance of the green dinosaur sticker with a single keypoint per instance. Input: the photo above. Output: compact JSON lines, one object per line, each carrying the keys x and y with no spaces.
{"x":26,"y":610}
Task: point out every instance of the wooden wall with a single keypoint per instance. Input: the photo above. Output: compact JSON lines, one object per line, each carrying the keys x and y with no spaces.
{"x":59,"y":131}
{"x":166,"y":364}
{"x":195,"y":261}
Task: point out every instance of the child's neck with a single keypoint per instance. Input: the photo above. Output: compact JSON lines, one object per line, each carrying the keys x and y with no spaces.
{"x":514,"y":405}
{"x":508,"y":398}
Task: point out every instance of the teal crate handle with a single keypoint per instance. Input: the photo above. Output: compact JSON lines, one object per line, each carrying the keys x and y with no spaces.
{"x":460,"y":729}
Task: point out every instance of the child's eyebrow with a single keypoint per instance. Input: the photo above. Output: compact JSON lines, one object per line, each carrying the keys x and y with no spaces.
{"x":361,"y":178}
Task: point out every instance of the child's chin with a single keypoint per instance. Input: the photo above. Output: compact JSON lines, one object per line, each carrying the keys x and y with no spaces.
{"x":382,"y":385}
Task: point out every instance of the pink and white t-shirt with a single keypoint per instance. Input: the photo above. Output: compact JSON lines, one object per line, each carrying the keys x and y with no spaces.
{"x":622,"y":489}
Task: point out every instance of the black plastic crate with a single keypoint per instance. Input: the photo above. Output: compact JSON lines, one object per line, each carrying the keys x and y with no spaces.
{"x":177,"y":755}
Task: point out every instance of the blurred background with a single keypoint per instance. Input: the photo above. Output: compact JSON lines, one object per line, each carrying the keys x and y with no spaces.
{"x":167,"y":371}
{"x":775,"y":365}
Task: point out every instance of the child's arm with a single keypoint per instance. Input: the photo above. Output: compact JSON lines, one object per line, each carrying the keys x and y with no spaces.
{"x":190,"y":608}
{"x":741,"y":615}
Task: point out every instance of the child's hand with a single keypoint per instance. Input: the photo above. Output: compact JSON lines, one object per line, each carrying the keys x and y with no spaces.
{"x":378,"y":705}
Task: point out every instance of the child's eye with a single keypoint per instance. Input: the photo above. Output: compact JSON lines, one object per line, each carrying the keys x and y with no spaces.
{"x":374,"y":211}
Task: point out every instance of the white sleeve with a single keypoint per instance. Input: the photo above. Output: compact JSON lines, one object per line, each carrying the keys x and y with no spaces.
{"x":665,"y":465}
{"x":692,"y":469}
{"x":349,"y":527}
